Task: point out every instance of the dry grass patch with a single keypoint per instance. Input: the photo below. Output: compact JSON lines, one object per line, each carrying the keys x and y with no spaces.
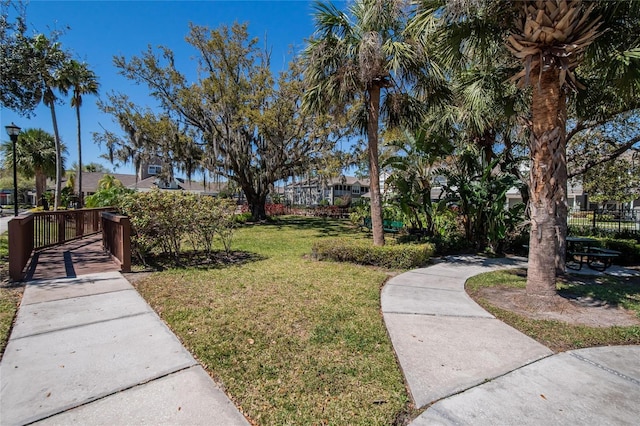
{"x":292,"y":340}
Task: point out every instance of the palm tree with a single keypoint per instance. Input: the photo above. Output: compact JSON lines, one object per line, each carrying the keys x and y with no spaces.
{"x":49,"y":63}
{"x":108,"y":182}
{"x":35,"y":157}
{"x":84,"y":82}
{"x":550,"y":40}
{"x":359,"y":58}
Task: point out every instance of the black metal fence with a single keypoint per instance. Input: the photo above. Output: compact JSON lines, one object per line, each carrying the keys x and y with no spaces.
{"x":625,"y":221}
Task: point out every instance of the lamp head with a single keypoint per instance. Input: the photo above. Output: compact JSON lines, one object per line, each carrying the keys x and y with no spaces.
{"x":12,"y":129}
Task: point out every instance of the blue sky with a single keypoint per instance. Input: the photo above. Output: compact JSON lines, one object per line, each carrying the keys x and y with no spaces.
{"x":98,"y":30}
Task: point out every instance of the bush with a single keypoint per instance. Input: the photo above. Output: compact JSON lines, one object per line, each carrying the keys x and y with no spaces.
{"x":629,"y":250}
{"x":162,"y":220}
{"x":243,"y":217}
{"x":107,"y":197}
{"x":275,"y":209}
{"x":391,"y":256}
{"x":614,"y":234}
{"x":454,"y":243}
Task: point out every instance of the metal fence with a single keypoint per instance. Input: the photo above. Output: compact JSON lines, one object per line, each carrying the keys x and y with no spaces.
{"x":607,"y":220}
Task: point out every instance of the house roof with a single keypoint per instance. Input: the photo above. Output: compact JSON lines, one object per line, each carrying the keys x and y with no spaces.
{"x":349,"y":180}
{"x":90,"y":184}
{"x":201,"y":187}
{"x":144,"y":184}
{"x":90,"y":180}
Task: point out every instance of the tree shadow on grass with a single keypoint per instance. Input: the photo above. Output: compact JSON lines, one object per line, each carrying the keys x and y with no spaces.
{"x":597,"y":290}
{"x":326,"y":227}
{"x":614,"y":291}
{"x":198,"y":259}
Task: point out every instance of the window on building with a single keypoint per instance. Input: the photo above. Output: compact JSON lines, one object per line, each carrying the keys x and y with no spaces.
{"x":355,"y":189}
{"x":154,"y":169}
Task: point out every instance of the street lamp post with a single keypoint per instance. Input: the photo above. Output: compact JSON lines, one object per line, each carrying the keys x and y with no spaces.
{"x":13,"y":131}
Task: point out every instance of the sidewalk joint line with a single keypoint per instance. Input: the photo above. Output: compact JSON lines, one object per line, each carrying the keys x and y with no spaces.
{"x":429,"y":405}
{"x":426,"y":314}
{"x":73,"y":407}
{"x":80,"y":296}
{"x":607,"y":369}
{"x":83,"y":325}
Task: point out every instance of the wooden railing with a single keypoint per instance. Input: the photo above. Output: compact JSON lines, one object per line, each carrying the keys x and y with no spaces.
{"x":34,"y":231}
{"x":116,"y":239}
{"x":52,"y":228}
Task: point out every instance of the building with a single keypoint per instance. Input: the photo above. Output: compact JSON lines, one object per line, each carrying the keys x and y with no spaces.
{"x":90,"y":184}
{"x":314,"y":192}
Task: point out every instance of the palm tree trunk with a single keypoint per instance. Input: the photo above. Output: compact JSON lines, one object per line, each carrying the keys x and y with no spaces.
{"x":41,"y":185}
{"x":373,"y":113}
{"x":547,"y":184}
{"x":79,"y":173}
{"x":561,"y":178}
{"x":56,"y":135}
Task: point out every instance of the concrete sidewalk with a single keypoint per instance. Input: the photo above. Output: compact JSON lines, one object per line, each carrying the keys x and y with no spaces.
{"x":468,"y":367}
{"x":90,"y":350}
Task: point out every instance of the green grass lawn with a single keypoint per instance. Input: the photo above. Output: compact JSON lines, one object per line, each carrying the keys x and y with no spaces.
{"x":561,"y":336}
{"x":292,"y":340}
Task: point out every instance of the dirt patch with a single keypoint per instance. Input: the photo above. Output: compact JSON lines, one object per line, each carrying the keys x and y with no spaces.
{"x":134,"y":277}
{"x":566,"y":308}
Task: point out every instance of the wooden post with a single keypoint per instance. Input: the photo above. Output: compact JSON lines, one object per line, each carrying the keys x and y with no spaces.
{"x":61,"y":220}
{"x":20,"y":244}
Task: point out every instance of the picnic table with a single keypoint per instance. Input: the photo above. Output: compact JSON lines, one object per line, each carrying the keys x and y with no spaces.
{"x":582,"y":250}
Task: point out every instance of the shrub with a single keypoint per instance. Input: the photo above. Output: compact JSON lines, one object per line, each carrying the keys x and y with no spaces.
{"x":359,"y":211}
{"x":589,"y":231}
{"x":243,"y":217}
{"x":162,"y":219}
{"x":629,"y":250}
{"x":107,"y":197}
{"x":391,"y":256}
{"x":275,"y":209}
{"x":212,"y":217}
{"x":454,"y":243}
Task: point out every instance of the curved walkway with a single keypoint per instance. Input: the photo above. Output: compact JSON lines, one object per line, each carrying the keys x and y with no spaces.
{"x":468,"y":367}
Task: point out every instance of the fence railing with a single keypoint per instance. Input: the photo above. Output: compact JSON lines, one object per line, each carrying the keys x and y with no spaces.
{"x":607,"y":220}
{"x":51,"y":228}
{"x":38,"y":230}
{"x":116,"y":238}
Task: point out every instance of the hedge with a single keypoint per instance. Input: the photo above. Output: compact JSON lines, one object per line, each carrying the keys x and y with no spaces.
{"x":629,"y":250}
{"x":390,"y":256}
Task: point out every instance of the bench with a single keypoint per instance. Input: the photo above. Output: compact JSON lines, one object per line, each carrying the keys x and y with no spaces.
{"x":391,"y":226}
